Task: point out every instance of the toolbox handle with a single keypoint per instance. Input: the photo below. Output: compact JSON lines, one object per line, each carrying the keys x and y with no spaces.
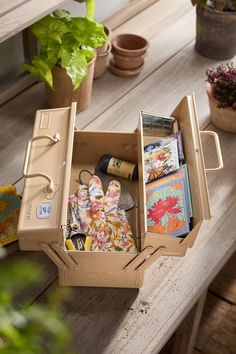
{"x":54,"y":139}
{"x":218,"y":150}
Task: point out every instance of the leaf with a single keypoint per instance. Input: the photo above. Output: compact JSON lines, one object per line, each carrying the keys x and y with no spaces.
{"x":76,"y":67}
{"x":40,"y":69}
{"x":90,"y":9}
{"x":48,"y":30}
{"x":87,"y":32}
{"x":88,"y":52}
{"x":63,"y":15}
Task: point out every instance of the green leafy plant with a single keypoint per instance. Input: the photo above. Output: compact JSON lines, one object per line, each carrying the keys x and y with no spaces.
{"x":33,"y":328}
{"x":66,"y":42}
{"x":223,"y":79}
{"x":219,"y":5}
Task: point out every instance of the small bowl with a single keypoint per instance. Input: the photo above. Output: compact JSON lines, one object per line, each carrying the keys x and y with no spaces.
{"x":130,"y":45}
{"x":124,"y":73}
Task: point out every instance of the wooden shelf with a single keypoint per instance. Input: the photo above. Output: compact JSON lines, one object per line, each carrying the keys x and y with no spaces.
{"x":17,"y":15}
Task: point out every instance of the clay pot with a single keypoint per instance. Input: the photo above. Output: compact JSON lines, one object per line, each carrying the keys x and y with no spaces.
{"x":127,"y":63}
{"x":101,"y":63}
{"x":222,"y":118}
{"x":124,"y":73}
{"x":215,"y":34}
{"x":63,"y":93}
{"x":104,"y":48}
{"x":130,"y":45}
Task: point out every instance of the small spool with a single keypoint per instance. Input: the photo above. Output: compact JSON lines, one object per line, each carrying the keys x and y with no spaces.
{"x":117,"y":167}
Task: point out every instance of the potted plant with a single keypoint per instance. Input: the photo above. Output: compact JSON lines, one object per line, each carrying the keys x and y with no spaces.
{"x":221,"y":90}
{"x":215,"y":28}
{"x":67,"y":56}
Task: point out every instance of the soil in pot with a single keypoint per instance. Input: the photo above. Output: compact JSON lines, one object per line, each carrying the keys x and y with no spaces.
{"x":63,"y":94}
{"x":222,"y":118}
{"x":215,"y":33}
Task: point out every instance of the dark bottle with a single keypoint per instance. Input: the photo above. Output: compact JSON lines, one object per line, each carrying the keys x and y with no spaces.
{"x":117,"y":167}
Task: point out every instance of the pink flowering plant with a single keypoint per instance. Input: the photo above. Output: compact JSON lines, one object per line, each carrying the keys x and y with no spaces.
{"x":223,"y":79}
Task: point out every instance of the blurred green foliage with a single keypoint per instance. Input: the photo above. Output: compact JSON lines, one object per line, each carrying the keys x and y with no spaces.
{"x":33,"y":328}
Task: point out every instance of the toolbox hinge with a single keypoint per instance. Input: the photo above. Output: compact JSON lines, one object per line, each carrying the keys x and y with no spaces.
{"x":145,"y":258}
{"x":59,"y":256}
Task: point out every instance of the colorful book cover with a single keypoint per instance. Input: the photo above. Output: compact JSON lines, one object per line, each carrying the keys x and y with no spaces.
{"x":160,"y":160}
{"x":189,"y":199}
{"x":167,"y":205}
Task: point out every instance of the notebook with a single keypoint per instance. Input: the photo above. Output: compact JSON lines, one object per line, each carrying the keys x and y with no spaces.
{"x":168,"y":204}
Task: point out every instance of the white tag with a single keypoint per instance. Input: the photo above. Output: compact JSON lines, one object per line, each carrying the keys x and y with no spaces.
{"x":44,"y":210}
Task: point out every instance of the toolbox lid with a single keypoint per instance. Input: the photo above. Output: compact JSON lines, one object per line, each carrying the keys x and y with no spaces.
{"x":153,"y":126}
{"x":47,"y":170}
{"x":186,"y":114}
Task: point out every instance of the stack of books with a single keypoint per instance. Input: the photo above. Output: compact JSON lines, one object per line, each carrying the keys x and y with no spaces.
{"x":168,"y":198}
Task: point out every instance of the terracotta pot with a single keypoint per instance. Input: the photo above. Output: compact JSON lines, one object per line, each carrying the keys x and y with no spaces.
{"x":127,"y":63}
{"x":124,"y":73}
{"x":222,"y":118}
{"x":215,"y":34}
{"x":129,"y":45}
{"x":63,"y":94}
{"x":101,"y":63}
{"x":105,"y":46}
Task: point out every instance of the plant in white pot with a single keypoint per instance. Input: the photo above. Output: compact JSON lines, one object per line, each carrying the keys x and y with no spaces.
{"x":221,"y":90}
{"x":215,"y":28}
{"x":67,"y":56}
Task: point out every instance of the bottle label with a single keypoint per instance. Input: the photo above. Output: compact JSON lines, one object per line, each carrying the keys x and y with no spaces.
{"x":121,"y":168}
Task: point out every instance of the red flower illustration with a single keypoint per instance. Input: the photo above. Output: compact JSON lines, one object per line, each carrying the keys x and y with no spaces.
{"x":162,"y":156}
{"x":162,"y":207}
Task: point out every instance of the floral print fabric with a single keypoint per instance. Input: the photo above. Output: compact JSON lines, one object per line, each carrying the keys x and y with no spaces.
{"x":101,"y":219}
{"x":9,"y":214}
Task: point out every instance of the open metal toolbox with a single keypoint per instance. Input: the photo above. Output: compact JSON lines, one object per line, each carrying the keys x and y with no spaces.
{"x":57,"y":153}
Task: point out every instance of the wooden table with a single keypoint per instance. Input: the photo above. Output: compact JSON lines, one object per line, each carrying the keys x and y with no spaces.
{"x":125,"y":320}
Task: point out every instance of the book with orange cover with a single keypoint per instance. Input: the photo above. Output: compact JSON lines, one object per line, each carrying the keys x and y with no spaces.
{"x":167,"y":205}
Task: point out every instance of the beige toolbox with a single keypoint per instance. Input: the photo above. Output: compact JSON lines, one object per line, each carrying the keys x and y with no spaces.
{"x":57,"y":153}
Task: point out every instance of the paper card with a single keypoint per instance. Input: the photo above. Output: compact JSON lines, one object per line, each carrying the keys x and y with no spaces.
{"x":167,"y":205}
{"x":160,"y":158}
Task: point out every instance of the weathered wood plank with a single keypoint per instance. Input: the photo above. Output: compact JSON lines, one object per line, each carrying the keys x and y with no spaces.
{"x":7,"y":6}
{"x":15,"y":86}
{"x":17,"y":116}
{"x":185,"y":336}
{"x":224,"y":285}
{"x":124,"y":320}
{"x":18,"y":18}
{"x":217,"y":334}
{"x":109,"y":89}
{"x":160,"y":92}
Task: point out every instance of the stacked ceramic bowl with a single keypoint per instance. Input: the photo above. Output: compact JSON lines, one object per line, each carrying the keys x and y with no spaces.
{"x":128,"y":51}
